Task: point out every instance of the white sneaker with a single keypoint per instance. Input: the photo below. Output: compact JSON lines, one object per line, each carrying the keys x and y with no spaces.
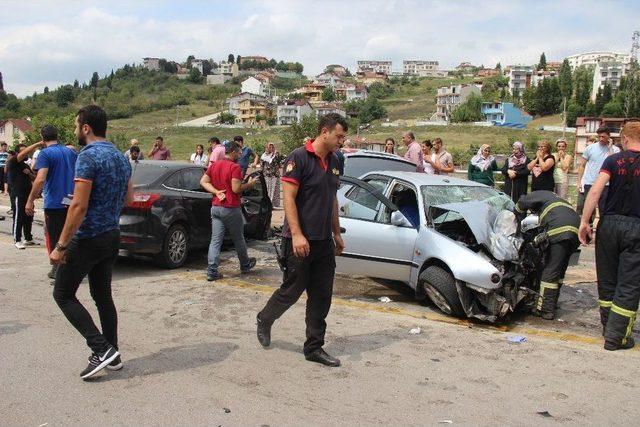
{"x":30,"y":243}
{"x":20,"y":245}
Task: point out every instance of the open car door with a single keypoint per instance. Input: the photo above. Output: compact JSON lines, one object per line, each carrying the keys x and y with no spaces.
{"x":374,"y":246}
{"x":256,"y":208}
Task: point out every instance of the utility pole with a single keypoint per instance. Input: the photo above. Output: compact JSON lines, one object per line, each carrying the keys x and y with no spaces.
{"x":564,"y":117}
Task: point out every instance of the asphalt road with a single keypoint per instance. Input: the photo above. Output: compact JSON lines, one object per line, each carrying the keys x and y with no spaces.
{"x":191,"y":356}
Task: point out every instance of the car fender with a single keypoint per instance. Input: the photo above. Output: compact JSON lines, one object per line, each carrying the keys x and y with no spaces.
{"x":465,"y":265}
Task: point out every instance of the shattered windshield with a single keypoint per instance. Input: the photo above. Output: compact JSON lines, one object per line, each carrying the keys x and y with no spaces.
{"x":434,"y":195}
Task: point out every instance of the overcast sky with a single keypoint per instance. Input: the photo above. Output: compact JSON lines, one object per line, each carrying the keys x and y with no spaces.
{"x":52,"y":43}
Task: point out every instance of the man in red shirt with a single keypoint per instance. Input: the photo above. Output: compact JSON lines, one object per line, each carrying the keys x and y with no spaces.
{"x":224,"y":180}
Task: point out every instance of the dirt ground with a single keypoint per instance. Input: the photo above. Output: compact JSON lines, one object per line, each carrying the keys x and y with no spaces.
{"x":191,"y":356}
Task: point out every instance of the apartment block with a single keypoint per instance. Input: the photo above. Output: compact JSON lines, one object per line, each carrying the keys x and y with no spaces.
{"x":375,"y":66}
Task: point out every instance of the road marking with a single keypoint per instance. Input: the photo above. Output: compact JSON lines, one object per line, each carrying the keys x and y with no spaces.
{"x":432,"y":316}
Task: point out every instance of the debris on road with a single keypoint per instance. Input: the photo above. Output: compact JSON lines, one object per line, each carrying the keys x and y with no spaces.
{"x":384,"y":299}
{"x":227,"y":410}
{"x":518,"y":339}
{"x":415,"y":331}
{"x":545,"y":414}
{"x":445,"y":422}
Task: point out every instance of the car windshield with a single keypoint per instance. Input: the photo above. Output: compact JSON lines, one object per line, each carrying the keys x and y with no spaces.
{"x":434,"y":195}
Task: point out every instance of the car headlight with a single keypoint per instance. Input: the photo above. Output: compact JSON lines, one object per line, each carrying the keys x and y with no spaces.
{"x":495,"y":278}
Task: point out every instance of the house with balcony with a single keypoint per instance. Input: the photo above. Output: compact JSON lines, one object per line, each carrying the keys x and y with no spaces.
{"x":292,"y":111}
{"x":227,"y":68}
{"x":336,"y":69}
{"x":449,"y":98}
{"x":234,"y":101}
{"x":253,"y":112}
{"x":586,"y":127}
{"x":370,"y":77}
{"x":607,"y":72}
{"x":505,"y":114}
{"x":324,"y":109}
{"x":14,"y":130}
{"x":374,"y":65}
{"x":539,"y":75}
{"x":520,"y":78}
{"x":419,"y":67}
{"x":328,"y":79}
{"x":312,"y":91}
{"x":255,"y":86}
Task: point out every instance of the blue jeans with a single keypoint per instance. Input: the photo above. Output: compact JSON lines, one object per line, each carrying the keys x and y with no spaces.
{"x":231,"y":220}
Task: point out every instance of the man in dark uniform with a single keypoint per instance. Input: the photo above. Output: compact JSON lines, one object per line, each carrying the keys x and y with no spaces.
{"x":618,"y":240}
{"x":310,"y":181}
{"x":560,"y":221}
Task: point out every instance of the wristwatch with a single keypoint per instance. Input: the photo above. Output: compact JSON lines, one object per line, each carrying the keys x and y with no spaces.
{"x":60,"y":247}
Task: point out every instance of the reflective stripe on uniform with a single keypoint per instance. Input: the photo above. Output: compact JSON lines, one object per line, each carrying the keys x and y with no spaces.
{"x":563,"y":229}
{"x":543,"y":286}
{"x":518,"y":208}
{"x":605,"y":304}
{"x":632,"y":319}
{"x":552,"y":206}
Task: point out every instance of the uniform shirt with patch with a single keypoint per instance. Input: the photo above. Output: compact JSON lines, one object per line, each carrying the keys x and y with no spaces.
{"x":617,"y":166}
{"x":317,"y":180}
{"x":109,"y":171}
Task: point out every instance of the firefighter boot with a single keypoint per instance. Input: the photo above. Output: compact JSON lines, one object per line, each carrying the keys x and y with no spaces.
{"x":547,"y":301}
{"x":605,"y":309}
{"x":617,"y":335}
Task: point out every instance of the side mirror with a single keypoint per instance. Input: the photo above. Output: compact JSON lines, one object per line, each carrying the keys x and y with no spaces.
{"x":399,"y":220}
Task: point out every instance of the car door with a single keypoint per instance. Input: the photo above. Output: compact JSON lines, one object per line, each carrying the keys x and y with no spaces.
{"x":373,"y":246}
{"x":257,"y":208}
{"x":197,"y":202}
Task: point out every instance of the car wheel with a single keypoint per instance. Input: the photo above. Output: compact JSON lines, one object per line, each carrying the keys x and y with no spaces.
{"x":440,"y":287}
{"x":175,"y":247}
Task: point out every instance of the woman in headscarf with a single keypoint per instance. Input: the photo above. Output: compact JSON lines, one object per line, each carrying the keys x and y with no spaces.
{"x":271,"y":161}
{"x":482,"y":166}
{"x":516,"y":174}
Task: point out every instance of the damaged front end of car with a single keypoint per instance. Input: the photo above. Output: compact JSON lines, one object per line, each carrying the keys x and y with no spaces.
{"x":493,"y":234}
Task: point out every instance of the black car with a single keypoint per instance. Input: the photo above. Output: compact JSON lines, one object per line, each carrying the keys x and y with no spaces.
{"x":171,"y":212}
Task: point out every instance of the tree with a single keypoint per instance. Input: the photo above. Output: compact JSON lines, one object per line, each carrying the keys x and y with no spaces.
{"x":194,"y":76}
{"x":573,"y":112}
{"x":46,"y":89}
{"x":370,"y":110}
{"x":613,"y":109}
{"x":542,"y":64}
{"x":468,"y":111}
{"x":207,"y":66}
{"x":582,"y":83}
{"x":65,"y":95}
{"x":295,"y":135}
{"x":76,"y":84}
{"x":189,"y":61}
{"x":530,"y":100}
{"x":230,"y":58}
{"x":603,"y":96}
{"x":499,"y":67}
{"x":495,"y":88}
{"x":238,"y":60}
{"x":566,"y":80}
{"x":380,"y":90}
{"x":328,"y":94}
{"x":94,"y":80}
{"x":227,"y":118}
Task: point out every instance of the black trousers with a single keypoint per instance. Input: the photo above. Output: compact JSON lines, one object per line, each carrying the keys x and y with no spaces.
{"x":556,"y":261}
{"x":54,"y":223}
{"x":313,"y":274}
{"x":94,"y":257}
{"x":618,"y":269}
{"x":582,"y":197}
{"x":21,"y":221}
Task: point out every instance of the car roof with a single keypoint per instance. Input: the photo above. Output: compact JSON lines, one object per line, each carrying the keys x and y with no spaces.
{"x":377,"y":154}
{"x":420,"y":178}
{"x":168,"y":165}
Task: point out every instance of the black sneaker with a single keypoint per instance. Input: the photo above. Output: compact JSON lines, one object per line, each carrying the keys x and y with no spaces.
{"x":98,"y":361}
{"x":252,"y":263}
{"x":212,"y":276}
{"x":116,"y":364}
{"x":52,"y":273}
{"x":264,"y":332}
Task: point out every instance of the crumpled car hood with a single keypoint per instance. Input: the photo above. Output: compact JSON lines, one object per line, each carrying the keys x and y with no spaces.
{"x":478,"y":215}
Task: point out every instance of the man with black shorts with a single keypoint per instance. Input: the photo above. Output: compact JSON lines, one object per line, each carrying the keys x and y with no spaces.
{"x":55,"y":168}
{"x":618,"y":239}
{"x":311,"y":237}
{"x":90,"y":239}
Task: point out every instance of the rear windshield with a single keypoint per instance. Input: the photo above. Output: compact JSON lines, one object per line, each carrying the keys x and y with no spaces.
{"x":142,"y":175}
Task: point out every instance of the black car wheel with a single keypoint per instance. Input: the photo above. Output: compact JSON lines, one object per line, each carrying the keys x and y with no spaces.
{"x":440,"y":287}
{"x":175,"y":247}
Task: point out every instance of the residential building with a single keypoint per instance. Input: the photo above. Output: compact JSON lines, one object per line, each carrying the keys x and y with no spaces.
{"x":505,"y":114}
{"x":415,"y":67}
{"x":356,"y":92}
{"x":487,"y":72}
{"x":198,"y":64}
{"x":217,"y":79}
{"x":538,"y":76}
{"x":14,"y":130}
{"x":466,"y":68}
{"x":554,"y":66}
{"x":229,"y":68}
{"x":255,"y":86}
{"x":592,"y":58}
{"x":433,"y":73}
{"x":254,"y":112}
{"x":324,"y":109}
{"x":336,"y":69}
{"x":370,"y":77}
{"x":312,"y":91}
{"x":258,"y":59}
{"x":375,"y":66}
{"x":328,"y":79}
{"x":607,"y":72}
{"x":520,"y":77}
{"x":151,"y":64}
{"x":292,"y":111}
{"x":450,"y":97}
{"x":587,"y":126}
{"x":234,"y":101}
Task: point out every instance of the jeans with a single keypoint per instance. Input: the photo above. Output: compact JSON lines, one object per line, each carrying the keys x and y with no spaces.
{"x":313,"y":274}
{"x":54,"y":220}
{"x":94,"y":257}
{"x":231,"y":220}
{"x":21,"y":221}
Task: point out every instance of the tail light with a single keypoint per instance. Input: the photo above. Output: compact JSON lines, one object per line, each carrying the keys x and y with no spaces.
{"x":143,"y":201}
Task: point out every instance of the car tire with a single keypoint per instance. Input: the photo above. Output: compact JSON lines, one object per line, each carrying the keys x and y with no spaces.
{"x":440,"y":286}
{"x":175,"y":247}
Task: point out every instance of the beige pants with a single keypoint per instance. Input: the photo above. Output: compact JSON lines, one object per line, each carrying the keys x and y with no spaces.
{"x":562,"y":190}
